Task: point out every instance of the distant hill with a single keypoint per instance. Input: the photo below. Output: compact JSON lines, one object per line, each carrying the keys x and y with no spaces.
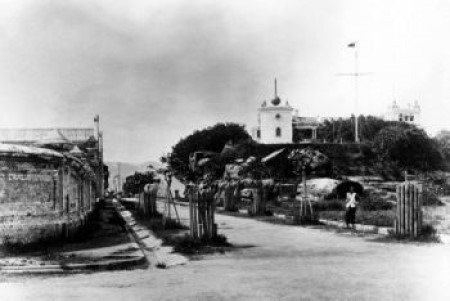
{"x":127,"y":169}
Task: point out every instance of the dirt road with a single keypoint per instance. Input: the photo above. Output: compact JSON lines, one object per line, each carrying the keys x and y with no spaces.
{"x":273,"y":262}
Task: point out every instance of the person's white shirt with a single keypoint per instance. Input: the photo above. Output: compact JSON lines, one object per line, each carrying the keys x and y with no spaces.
{"x":351,"y":200}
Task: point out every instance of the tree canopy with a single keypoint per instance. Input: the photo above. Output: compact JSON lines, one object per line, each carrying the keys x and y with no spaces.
{"x":135,"y":183}
{"x":408,"y":147}
{"x":334,"y":130}
{"x":211,"y":139}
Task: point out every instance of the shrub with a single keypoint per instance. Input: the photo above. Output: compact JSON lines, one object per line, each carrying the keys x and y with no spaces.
{"x":188,"y":245}
{"x":380,"y":218}
{"x":375,"y":205}
{"x":430,"y":199}
{"x":332,"y":205}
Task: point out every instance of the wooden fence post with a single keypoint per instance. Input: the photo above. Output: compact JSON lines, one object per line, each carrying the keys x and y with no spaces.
{"x":191,"y":213}
{"x":398,"y":210}
{"x":411,"y":210}
{"x":401,"y":203}
{"x":407,"y":186}
{"x":419,"y":209}
{"x":408,"y":219}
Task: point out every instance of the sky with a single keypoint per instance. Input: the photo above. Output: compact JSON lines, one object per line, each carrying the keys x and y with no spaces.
{"x":155,"y":71}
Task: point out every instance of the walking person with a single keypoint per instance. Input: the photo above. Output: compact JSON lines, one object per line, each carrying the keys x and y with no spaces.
{"x":350,"y":206}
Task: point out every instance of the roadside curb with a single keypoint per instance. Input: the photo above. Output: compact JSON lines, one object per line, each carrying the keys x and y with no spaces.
{"x":359,"y":227}
{"x":156,"y":254}
{"x":74,"y":267}
{"x":130,"y":225}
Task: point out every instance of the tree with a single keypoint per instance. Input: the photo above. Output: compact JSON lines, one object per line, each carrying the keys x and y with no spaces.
{"x":408,"y":147}
{"x":336,"y":129}
{"x":135,"y":183}
{"x":344,"y":128}
{"x":442,"y":139}
{"x":211,"y":139}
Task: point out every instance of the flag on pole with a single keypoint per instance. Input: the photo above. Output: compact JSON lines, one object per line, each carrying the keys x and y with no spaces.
{"x":352,"y":45}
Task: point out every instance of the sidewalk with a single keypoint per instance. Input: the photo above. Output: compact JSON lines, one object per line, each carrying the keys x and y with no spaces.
{"x":107,"y":247}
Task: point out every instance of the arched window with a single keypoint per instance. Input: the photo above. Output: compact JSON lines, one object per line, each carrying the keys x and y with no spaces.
{"x":278,"y":116}
{"x":400,"y":117}
{"x":278,"y":132}
{"x":258,"y":134}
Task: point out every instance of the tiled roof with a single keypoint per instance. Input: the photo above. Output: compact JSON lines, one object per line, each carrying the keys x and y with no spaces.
{"x":74,"y":135}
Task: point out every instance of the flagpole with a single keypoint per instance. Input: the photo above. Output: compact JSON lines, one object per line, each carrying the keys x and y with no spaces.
{"x":355,"y":74}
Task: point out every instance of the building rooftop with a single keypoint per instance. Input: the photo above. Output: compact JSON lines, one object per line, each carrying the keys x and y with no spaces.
{"x":46,"y":135}
{"x":305,"y":121}
{"x":21,"y":150}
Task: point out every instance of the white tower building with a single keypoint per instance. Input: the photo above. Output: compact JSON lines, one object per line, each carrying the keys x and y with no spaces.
{"x":274,"y":122}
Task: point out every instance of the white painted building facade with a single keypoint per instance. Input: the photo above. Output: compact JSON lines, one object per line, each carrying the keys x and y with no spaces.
{"x":274,"y":123}
{"x":277,"y":121}
{"x":409,"y":114}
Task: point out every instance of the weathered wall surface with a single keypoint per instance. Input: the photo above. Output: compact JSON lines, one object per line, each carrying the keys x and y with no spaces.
{"x":41,"y":200}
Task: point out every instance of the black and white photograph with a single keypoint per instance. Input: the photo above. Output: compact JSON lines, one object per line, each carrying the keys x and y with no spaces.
{"x":224,"y":150}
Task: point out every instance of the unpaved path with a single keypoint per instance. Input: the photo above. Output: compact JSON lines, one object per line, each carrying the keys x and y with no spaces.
{"x":274,"y":262}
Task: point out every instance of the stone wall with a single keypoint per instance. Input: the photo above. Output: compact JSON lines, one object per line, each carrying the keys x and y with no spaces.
{"x":43,"y":198}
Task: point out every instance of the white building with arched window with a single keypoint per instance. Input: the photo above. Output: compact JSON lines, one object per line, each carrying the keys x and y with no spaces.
{"x":276,"y":122}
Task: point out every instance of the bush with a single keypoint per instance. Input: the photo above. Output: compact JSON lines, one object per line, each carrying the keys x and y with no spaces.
{"x":380,"y":218}
{"x":375,"y":205}
{"x":332,"y":205}
{"x":430,"y":199}
{"x":187,"y":245}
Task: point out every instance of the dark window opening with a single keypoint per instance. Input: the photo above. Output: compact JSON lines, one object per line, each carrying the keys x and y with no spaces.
{"x":278,"y":132}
